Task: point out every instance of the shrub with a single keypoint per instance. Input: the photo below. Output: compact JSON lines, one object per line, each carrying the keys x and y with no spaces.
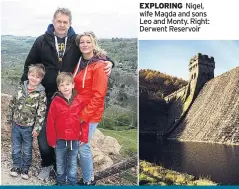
{"x":107,"y":123}
{"x":124,"y":119}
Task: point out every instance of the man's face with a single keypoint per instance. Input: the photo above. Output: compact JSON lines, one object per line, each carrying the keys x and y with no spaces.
{"x":61,"y":24}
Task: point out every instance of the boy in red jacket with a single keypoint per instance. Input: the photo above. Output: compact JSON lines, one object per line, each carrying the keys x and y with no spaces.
{"x":64,"y":130}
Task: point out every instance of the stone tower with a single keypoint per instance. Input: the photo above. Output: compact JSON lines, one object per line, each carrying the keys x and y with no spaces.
{"x":201,"y":70}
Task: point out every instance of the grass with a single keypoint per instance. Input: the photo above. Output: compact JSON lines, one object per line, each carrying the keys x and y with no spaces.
{"x":127,"y":139}
{"x":151,"y":174}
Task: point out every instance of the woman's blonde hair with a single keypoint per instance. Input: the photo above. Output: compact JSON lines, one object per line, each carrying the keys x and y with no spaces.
{"x":97,"y":50}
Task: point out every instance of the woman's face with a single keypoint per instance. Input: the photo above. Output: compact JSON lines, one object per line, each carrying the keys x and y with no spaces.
{"x":86,"y":45}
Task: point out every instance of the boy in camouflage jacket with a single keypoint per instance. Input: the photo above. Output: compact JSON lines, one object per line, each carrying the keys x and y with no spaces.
{"x":26,"y":113}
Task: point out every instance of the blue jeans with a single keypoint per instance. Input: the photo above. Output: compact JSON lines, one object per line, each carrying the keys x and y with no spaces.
{"x":22,"y":146}
{"x":86,"y":161}
{"x":66,"y":162}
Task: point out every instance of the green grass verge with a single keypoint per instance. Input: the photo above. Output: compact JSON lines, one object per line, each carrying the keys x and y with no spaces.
{"x":151,"y":174}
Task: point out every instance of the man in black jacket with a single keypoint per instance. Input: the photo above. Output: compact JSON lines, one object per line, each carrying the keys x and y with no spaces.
{"x":57,"y":50}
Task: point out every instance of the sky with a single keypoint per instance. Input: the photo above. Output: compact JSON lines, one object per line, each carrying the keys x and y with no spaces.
{"x":172,"y":56}
{"x":106,"y":18}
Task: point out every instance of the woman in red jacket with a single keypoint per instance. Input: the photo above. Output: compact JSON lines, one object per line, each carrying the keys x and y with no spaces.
{"x":91,"y":83}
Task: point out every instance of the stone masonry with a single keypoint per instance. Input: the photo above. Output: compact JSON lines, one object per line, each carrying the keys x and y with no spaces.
{"x":207,"y":109}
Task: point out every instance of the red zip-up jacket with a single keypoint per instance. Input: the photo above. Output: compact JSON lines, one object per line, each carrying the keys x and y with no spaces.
{"x":91,"y":84}
{"x":63,"y":120}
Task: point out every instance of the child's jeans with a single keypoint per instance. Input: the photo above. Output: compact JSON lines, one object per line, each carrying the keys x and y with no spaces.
{"x":66,"y":162}
{"x":22,"y":146}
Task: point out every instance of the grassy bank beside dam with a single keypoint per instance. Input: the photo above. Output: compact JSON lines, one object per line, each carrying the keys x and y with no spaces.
{"x":150,"y":174}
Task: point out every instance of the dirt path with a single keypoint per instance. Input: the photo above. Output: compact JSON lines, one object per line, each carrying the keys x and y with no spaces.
{"x":6,"y":165}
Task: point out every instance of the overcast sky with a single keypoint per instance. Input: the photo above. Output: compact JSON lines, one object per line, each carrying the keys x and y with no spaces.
{"x":172,"y":56}
{"x":106,"y":18}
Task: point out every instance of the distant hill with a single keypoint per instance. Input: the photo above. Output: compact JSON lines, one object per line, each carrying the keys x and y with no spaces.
{"x":159,"y":83}
{"x":14,"y":50}
{"x":153,"y":86}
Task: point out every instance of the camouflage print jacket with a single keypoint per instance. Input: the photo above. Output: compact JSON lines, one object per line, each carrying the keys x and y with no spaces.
{"x":28,"y":109}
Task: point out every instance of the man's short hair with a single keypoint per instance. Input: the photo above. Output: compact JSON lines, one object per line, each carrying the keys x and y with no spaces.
{"x":64,"y":76}
{"x":64,"y":11}
{"x":38,"y":68}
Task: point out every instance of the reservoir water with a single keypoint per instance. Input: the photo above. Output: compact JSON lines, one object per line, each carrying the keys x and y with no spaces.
{"x":218,"y":162}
